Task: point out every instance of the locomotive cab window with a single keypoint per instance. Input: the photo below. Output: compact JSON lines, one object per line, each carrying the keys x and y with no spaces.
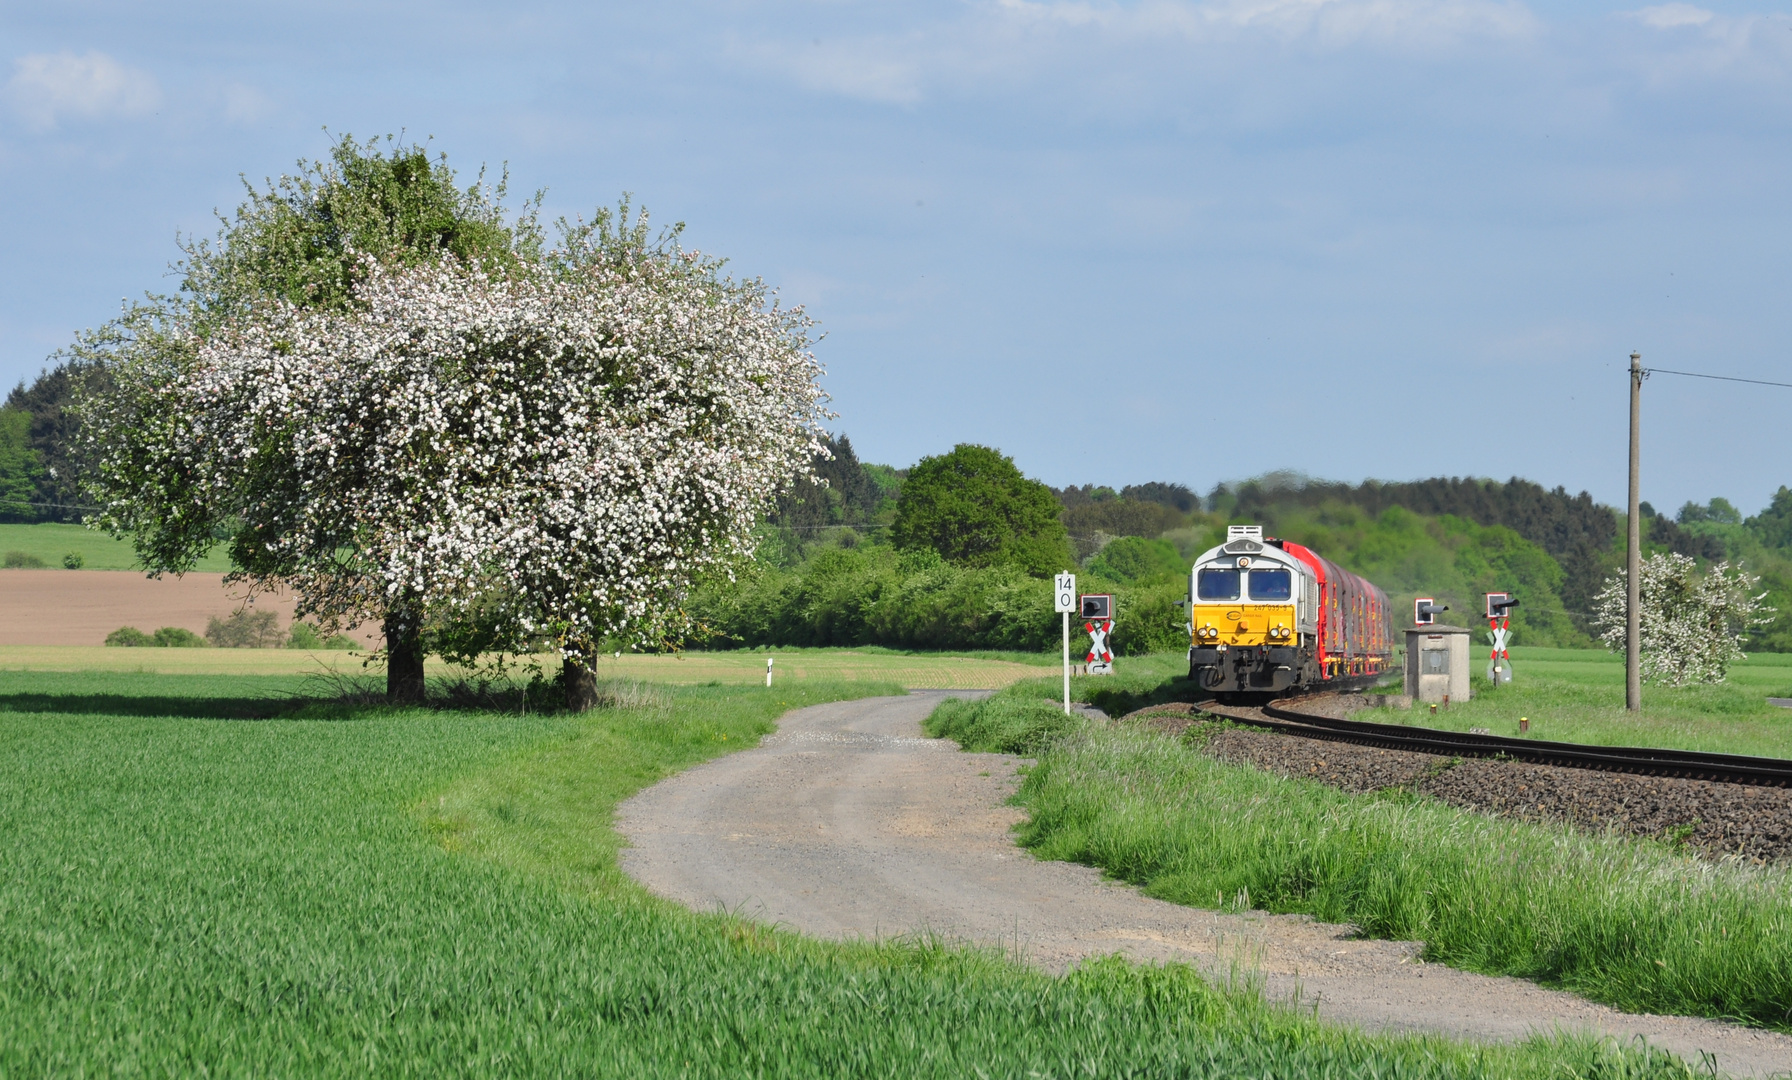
{"x":1216,"y":583}
{"x":1272,"y":585}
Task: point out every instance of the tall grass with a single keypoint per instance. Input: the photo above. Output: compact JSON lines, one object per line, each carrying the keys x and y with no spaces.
{"x":1578,"y":696}
{"x":430,"y":893}
{"x":1624,"y":922}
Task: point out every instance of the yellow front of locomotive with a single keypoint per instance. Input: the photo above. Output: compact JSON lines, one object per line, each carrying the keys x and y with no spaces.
{"x":1243,"y":600}
{"x":1242,"y":606}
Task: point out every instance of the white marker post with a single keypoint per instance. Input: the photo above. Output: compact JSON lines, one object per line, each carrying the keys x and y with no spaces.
{"x":768,"y":671}
{"x":1064,"y":601}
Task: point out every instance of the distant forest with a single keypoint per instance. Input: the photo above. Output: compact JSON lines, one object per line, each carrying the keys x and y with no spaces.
{"x":1448,"y":537}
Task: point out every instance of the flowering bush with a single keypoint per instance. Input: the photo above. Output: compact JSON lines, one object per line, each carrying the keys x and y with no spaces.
{"x":1693,"y":626}
{"x":573,"y":445}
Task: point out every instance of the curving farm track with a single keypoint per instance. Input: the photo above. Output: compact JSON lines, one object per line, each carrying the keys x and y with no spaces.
{"x":848,"y":823}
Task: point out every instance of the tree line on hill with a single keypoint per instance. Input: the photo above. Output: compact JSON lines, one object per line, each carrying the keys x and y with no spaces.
{"x":845,"y":559}
{"x":857,"y":578}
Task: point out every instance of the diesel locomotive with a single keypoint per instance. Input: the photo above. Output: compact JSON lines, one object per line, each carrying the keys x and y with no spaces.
{"x":1269,"y":616}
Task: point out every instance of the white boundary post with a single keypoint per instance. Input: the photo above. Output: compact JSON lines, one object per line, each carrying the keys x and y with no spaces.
{"x":1064,"y":601}
{"x":1067,"y":663}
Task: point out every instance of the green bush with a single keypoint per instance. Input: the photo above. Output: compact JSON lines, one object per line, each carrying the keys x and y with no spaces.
{"x":1004,"y":724}
{"x":306,"y":636}
{"x":73,"y":561}
{"x":178,"y":637}
{"x":129,"y":637}
{"x":22,"y":560}
{"x":245,"y":629}
{"x":873,"y":595}
{"x":1132,"y":558}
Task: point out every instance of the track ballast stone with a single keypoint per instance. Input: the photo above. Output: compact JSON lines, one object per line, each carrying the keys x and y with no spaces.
{"x":1702,"y":816}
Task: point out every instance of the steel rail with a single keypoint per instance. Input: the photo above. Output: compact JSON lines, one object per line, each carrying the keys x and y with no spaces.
{"x":1647,"y":761}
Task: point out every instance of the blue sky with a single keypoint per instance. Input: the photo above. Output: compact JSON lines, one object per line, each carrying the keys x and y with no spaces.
{"x":1185,"y":241}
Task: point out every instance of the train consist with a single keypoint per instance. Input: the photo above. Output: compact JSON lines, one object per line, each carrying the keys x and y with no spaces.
{"x":1267,"y":616}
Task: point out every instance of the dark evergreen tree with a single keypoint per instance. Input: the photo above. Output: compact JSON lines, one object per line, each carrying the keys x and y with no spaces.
{"x":50,"y":436}
{"x":843,"y":493}
{"x":1178,"y":497}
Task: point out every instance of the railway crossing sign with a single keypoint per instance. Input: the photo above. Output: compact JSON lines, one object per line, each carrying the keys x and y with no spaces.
{"x":1499,"y":625}
{"x":1097,"y":612}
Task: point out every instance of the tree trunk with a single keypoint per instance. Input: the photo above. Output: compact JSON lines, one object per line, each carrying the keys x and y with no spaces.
{"x":580,"y":684}
{"x":404,"y":660}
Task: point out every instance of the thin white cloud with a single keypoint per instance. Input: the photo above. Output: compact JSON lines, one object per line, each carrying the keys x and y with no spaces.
{"x":870,"y":70}
{"x":48,"y":88}
{"x":1333,"y":22}
{"x":244,"y":104}
{"x":1007,"y":40}
{"x":1701,"y":44}
{"x":1669,"y":16}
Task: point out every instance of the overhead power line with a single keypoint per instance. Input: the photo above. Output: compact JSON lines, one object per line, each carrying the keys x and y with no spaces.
{"x":1721,"y":378}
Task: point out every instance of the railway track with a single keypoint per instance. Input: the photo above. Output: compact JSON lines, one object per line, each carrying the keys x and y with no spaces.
{"x":1287,"y":718}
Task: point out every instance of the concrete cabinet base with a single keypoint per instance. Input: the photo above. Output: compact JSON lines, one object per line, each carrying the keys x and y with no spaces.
{"x":1437,"y":663}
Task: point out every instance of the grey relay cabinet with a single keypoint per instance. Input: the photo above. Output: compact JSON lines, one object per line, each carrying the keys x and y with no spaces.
{"x":1437,"y":663}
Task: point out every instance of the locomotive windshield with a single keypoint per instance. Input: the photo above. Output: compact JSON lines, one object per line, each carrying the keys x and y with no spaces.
{"x":1271,"y":585}
{"x":1217,"y":583}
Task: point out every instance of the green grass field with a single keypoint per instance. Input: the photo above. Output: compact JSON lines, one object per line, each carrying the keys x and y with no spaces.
{"x":969,"y":671}
{"x":1577,"y":695}
{"x":208,"y":875}
{"x":1630,"y":923}
{"x":50,"y":542}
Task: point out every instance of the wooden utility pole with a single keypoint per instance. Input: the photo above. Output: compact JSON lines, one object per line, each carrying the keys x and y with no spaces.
{"x":1633,"y":562}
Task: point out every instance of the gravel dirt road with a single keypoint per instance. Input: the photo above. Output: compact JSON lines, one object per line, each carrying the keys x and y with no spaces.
{"x":848,"y":823}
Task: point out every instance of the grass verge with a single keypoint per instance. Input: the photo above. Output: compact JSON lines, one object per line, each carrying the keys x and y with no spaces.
{"x":967,"y":671}
{"x":377,"y":893}
{"x":1624,"y":922}
{"x":1577,"y":695}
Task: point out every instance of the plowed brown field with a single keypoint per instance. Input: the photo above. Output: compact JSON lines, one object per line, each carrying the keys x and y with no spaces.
{"x":80,"y":607}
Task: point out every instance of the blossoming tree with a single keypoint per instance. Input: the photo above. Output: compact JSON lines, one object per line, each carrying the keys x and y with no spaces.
{"x":1693,"y":625}
{"x":577,"y":444}
{"x":395,"y":401}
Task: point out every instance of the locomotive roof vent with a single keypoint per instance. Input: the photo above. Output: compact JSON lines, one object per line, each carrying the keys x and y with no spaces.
{"x":1244,"y":539}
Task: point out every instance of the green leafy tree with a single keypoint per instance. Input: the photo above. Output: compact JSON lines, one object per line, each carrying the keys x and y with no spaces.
{"x":1132,"y":558}
{"x":1719,"y":510}
{"x":1773,"y":526}
{"x":975,"y":508}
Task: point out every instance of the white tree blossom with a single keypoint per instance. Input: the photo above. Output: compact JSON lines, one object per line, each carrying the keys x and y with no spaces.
{"x":578,"y":445}
{"x":1693,"y":625}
